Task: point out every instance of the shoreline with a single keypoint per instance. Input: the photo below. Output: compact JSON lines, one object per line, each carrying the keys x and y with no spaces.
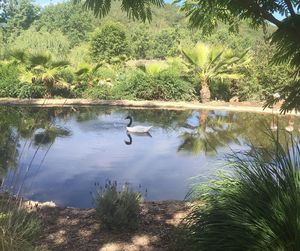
{"x":255,"y":107}
{"x":77,"y":229}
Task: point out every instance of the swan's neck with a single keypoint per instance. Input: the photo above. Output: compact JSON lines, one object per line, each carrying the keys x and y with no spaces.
{"x":130,"y":122}
{"x":130,"y":139}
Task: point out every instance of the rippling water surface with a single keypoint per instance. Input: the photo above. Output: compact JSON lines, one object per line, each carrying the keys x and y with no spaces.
{"x":59,"y":154}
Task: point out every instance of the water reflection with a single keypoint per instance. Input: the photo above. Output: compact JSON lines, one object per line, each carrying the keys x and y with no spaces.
{"x":211,"y":131}
{"x":129,"y":142}
{"x":61,"y":152}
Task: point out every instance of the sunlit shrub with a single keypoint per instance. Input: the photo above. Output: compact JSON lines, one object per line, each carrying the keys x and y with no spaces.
{"x":98,"y":92}
{"x":31,"y":91}
{"x":67,"y":74}
{"x":9,"y":80}
{"x":170,"y":86}
{"x":166,"y":85}
{"x":105,"y":73}
{"x":134,"y":84}
{"x":109,"y":43}
{"x":118,"y":208}
{"x":254,"y":207}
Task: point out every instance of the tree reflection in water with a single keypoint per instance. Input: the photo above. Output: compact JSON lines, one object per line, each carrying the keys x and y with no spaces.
{"x":33,"y":127}
{"x":193,"y":132}
{"x":213,"y":130}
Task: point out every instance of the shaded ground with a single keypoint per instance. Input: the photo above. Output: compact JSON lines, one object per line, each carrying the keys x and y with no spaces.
{"x":214,"y":105}
{"x":79,"y":229}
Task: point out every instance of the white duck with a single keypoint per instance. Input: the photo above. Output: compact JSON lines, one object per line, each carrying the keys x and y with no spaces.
{"x":136,"y":129}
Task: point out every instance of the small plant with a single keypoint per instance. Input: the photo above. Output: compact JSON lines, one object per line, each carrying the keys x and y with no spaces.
{"x":19,"y":228}
{"x":117,"y":208}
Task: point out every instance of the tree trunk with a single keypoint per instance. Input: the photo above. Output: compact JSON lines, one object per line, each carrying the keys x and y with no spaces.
{"x":205,"y":92}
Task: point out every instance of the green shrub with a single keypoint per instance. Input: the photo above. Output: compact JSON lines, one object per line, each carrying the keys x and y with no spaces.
{"x":134,"y":84}
{"x":118,"y":209}
{"x":105,"y":73}
{"x":9,"y":80}
{"x":19,"y":229}
{"x":220,"y":90}
{"x":31,"y":91}
{"x":98,"y":92}
{"x":169,"y":86}
{"x":255,"y":207}
{"x":67,"y":74}
{"x":109,"y":42}
{"x":165,"y":85}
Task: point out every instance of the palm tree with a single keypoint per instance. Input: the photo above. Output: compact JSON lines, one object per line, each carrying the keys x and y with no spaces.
{"x":213,"y":62}
{"x":41,"y":69}
{"x":47,"y":72}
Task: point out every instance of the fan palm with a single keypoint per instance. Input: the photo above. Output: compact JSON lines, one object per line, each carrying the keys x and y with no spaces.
{"x":214,"y":62}
{"x":41,"y":69}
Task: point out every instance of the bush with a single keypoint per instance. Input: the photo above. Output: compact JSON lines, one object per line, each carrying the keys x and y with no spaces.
{"x":9,"y":80}
{"x":254,"y":208}
{"x":165,"y":85}
{"x":36,"y":42}
{"x":118,"y":209}
{"x":19,"y":229}
{"x":133,"y":84}
{"x":169,"y":86}
{"x":109,"y":42}
{"x":220,"y":90}
{"x":31,"y":91}
{"x":67,"y":74}
{"x":98,"y":92}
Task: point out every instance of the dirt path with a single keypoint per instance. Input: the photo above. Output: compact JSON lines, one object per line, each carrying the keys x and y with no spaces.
{"x":215,"y":105}
{"x":79,"y":229}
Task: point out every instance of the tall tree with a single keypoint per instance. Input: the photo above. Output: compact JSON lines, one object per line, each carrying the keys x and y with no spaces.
{"x":68,"y":18}
{"x":109,"y":42}
{"x":18,"y":15}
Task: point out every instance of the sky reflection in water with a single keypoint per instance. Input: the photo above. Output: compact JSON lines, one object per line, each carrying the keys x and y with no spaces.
{"x":75,"y":149}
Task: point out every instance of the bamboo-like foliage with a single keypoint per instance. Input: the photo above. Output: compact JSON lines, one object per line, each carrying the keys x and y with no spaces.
{"x":254,"y":207}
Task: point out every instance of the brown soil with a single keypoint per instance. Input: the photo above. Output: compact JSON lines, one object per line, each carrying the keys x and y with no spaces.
{"x":79,"y":229}
{"x":214,"y":105}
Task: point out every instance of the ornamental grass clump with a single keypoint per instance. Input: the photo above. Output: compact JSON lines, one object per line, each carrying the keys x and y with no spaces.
{"x":19,"y":228}
{"x":118,"y":209}
{"x":254,"y":207}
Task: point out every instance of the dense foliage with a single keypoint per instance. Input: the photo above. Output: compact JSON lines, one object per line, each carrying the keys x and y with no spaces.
{"x":101,"y":57}
{"x":286,"y":39}
{"x":254,"y":207}
{"x":109,"y":44}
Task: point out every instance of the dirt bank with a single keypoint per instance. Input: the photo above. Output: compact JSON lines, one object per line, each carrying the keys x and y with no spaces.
{"x":79,"y":229}
{"x":214,"y":105}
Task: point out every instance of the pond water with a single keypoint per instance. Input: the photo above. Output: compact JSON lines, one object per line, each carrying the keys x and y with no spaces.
{"x":59,"y":154}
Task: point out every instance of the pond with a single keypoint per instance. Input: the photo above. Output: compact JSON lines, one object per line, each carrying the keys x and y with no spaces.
{"x":59,"y":154}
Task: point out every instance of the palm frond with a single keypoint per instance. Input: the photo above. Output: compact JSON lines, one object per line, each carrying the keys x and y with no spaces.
{"x":135,"y":9}
{"x":39,"y":59}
